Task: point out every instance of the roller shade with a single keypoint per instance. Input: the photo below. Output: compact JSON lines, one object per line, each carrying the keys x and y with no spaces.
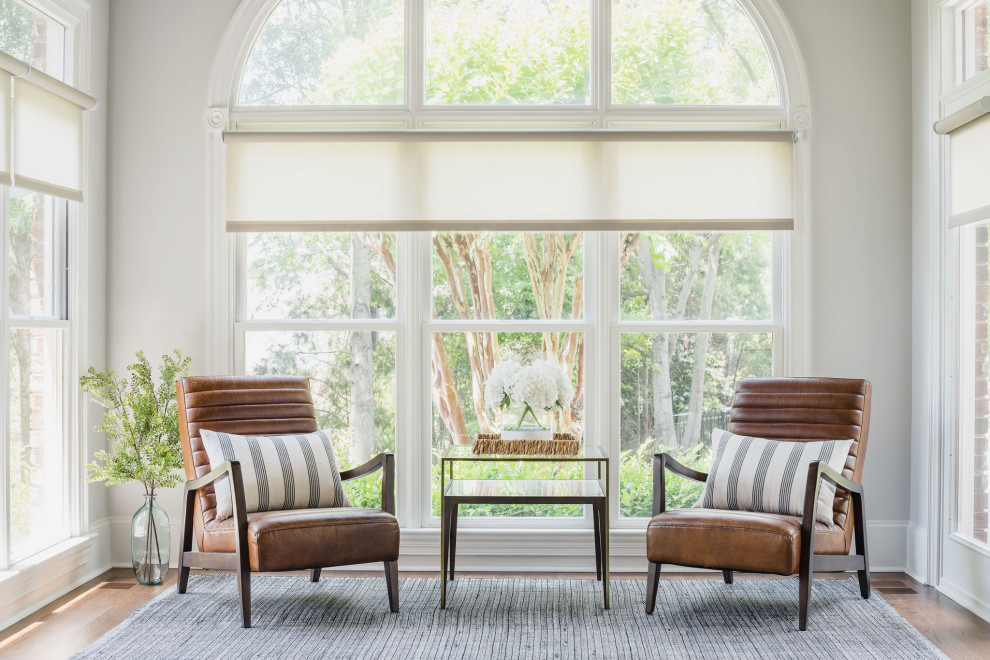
{"x":969,"y":163}
{"x":4,"y":128}
{"x":47,"y":142}
{"x":509,"y":180}
{"x":46,"y":130}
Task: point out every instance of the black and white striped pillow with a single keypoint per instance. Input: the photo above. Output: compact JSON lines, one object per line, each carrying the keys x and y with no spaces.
{"x":279,"y":471}
{"x":753,"y":474}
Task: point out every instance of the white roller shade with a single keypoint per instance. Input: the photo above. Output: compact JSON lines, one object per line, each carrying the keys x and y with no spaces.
{"x":509,"y":180}
{"x":969,"y":174}
{"x":47,"y":135}
{"x":4,"y":128}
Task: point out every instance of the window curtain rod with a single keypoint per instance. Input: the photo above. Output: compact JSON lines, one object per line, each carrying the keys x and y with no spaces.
{"x":513,"y":135}
{"x":969,"y":114}
{"x":19,"y":69}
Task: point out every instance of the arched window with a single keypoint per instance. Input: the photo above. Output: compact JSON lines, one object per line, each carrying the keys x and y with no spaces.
{"x":400,"y":330}
{"x":509,"y":52}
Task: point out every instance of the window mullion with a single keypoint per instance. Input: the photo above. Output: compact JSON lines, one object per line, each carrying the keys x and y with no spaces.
{"x":414,"y":62}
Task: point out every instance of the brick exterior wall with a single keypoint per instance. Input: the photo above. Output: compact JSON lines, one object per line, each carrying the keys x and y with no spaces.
{"x":981,"y":352}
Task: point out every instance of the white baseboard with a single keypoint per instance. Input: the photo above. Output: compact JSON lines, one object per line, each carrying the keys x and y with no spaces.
{"x":961,"y":595}
{"x":917,"y":553}
{"x":49,"y":576}
{"x":553,"y":550}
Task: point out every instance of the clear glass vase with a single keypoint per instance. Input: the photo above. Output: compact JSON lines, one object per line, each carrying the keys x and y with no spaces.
{"x":518,"y":421}
{"x":150,"y":542}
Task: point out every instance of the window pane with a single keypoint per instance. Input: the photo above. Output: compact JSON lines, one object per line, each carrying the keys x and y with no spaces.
{"x":38,"y":506}
{"x":460,"y":365}
{"x":533,"y":52}
{"x":320,"y":275}
{"x":975,"y":38}
{"x":352,"y":375}
{"x":973,"y":496}
{"x":324,"y":52}
{"x":32,"y":37}
{"x":676,"y":389}
{"x":508,"y":276}
{"x":32,"y":245}
{"x":696,"y":275}
{"x":691,"y":53}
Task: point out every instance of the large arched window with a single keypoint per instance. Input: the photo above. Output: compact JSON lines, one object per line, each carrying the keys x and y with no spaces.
{"x":508,"y":52}
{"x":399,"y":330}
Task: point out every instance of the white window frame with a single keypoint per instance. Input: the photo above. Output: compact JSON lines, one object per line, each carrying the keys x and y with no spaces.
{"x":791,"y":257}
{"x":68,"y":307}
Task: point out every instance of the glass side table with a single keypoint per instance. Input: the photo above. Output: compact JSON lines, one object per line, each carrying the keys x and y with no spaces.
{"x":454,"y":492}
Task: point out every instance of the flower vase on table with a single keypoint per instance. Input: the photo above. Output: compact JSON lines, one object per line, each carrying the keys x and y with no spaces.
{"x":525,"y":398}
{"x":521,"y":422}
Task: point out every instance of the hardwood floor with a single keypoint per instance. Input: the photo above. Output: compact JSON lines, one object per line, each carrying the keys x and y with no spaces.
{"x":84,"y":615}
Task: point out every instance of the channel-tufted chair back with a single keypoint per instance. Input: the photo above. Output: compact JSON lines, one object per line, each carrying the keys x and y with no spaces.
{"x":245,"y":405}
{"x":806,"y":410}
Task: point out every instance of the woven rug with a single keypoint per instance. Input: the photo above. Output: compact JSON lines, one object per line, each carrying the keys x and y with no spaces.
{"x":506,"y":618}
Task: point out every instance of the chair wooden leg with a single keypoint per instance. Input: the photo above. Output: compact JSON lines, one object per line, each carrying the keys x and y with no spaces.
{"x":859,"y":533}
{"x":314,"y":574}
{"x":652,"y":584}
{"x":185,"y":544}
{"x":392,"y":584}
{"x":727,"y":576}
{"x":244,"y":590}
{"x":805,"y":596}
{"x":598,"y":542}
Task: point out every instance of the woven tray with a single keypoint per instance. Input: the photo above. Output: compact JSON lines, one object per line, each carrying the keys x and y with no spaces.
{"x":562,"y":444}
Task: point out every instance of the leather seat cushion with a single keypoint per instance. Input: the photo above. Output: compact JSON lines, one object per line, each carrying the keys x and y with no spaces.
{"x":310,"y":538}
{"x":738,"y":540}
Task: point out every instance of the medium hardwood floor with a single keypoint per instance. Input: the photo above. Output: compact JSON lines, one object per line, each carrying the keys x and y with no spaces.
{"x":81,"y":617}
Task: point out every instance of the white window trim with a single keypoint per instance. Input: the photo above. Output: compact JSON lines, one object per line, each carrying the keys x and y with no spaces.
{"x":942,"y":298}
{"x":71,"y":306}
{"x":791,"y":287}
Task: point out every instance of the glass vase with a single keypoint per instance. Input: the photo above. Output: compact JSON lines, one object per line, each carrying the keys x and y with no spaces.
{"x":150,"y":542}
{"x":520,"y":422}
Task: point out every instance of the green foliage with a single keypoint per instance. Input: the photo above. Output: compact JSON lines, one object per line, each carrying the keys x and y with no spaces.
{"x":491,"y":52}
{"x":636,"y":470}
{"x":16,"y":30}
{"x":140,"y":421}
{"x":688,"y":52}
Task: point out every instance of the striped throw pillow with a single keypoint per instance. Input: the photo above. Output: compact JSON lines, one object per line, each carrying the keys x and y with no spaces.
{"x":753,"y":474}
{"x":279,"y":471}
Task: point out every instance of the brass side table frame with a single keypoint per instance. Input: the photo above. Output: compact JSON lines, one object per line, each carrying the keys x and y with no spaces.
{"x":455,"y":492}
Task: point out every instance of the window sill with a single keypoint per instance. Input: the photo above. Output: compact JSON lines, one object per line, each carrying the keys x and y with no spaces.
{"x":49,"y":565}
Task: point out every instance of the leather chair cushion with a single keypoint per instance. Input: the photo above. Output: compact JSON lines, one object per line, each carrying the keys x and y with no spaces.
{"x":738,"y":540}
{"x":310,"y":538}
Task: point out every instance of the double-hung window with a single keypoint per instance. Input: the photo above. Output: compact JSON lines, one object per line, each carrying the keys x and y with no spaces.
{"x":41,"y":183}
{"x":419,"y":190}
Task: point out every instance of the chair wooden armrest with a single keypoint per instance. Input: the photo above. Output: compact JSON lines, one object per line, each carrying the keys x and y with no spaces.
{"x":385,"y":462}
{"x":662,"y":463}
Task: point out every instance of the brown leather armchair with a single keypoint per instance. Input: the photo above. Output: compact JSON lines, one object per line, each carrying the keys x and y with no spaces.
{"x":793,"y":409}
{"x":307,"y":539}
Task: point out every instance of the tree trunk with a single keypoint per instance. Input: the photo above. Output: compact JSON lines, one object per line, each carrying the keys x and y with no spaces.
{"x":692,"y":432}
{"x":444,"y":392}
{"x":655,"y":281}
{"x":362,"y":413}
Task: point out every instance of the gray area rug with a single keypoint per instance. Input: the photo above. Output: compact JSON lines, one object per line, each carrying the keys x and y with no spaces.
{"x":505,"y":618}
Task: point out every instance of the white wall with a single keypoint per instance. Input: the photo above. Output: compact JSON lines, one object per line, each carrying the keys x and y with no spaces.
{"x":157,"y":255}
{"x":858,"y":59}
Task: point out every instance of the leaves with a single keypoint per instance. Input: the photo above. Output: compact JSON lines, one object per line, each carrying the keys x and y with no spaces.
{"x":140,"y":421}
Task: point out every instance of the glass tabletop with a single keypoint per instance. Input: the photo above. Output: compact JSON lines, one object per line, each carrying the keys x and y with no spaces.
{"x":463,"y":453}
{"x":525,"y":488}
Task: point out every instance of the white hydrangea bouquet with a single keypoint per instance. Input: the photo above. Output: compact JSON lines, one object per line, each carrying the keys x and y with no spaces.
{"x":526,"y":395}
